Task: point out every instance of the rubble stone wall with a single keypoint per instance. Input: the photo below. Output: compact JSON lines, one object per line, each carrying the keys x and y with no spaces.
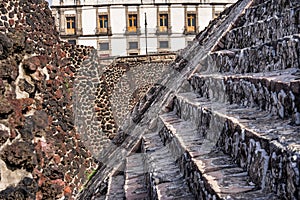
{"x":263,"y":57}
{"x":42,"y":155}
{"x":105,"y":96}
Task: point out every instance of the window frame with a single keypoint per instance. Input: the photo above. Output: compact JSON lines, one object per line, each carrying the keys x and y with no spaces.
{"x":103,"y":23}
{"x":191,"y":23}
{"x":102,"y":18}
{"x":163,"y":22}
{"x":102,"y":43}
{"x":70,"y":25}
{"x":163,"y":18}
{"x":72,"y":41}
{"x":161,"y":42}
{"x":132,"y":22}
{"x":131,"y":42}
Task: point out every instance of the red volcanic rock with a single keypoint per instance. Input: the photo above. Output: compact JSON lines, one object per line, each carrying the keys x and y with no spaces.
{"x":4,"y":136}
{"x":5,"y":107}
{"x":40,"y":125}
{"x":43,"y":60}
{"x":19,"y":155}
{"x":32,"y":63}
{"x":11,"y":22}
{"x":58,"y":94}
{"x":67,"y":190}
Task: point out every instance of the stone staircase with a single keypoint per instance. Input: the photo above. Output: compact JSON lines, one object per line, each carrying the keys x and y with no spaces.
{"x":232,"y":131}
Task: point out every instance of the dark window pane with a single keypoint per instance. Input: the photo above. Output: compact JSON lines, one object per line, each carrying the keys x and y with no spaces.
{"x":166,"y":21}
{"x":73,"y":24}
{"x":68,"y":25}
{"x":163,"y":20}
{"x":135,"y":24}
{"x":104,"y":46}
{"x":72,"y":42}
{"x":163,"y":44}
{"x":133,"y":45}
{"x":194,"y":21}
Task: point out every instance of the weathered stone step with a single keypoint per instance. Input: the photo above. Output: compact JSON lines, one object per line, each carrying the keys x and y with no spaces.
{"x":166,"y":180}
{"x":136,"y":178}
{"x":267,"y":146}
{"x":210,"y":172}
{"x":115,"y":188}
{"x":267,"y":30}
{"x":268,"y":91}
{"x":263,"y":9}
{"x":265,"y":57}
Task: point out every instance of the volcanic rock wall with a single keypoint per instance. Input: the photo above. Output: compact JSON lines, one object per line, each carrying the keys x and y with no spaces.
{"x":223,"y":123}
{"x":42,"y":156}
{"x":58,"y":107}
{"x":104,"y":96}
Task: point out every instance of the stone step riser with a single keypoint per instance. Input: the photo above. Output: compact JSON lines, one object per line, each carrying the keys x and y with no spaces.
{"x":277,"y":97}
{"x":199,"y":187}
{"x":204,"y":167}
{"x":163,"y":177}
{"x":277,"y":55}
{"x":261,"y":10}
{"x":265,"y":31}
{"x":136,"y":177}
{"x":268,"y":163}
{"x":115,"y":188}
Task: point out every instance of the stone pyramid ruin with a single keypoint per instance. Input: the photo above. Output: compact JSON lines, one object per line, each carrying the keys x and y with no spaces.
{"x":223,"y":121}
{"x":220,"y":120}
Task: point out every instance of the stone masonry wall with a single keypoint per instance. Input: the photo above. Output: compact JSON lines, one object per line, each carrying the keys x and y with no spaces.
{"x":41,"y":154}
{"x":104,"y":96}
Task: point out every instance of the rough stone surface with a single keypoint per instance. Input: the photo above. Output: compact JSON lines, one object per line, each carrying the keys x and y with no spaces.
{"x":40,"y":148}
{"x":227,"y":113}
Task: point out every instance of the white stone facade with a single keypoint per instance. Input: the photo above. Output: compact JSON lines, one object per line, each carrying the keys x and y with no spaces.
{"x":117,"y":27}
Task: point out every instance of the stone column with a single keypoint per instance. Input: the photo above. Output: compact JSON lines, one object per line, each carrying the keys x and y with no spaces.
{"x":79,"y":21}
{"x":62,"y":21}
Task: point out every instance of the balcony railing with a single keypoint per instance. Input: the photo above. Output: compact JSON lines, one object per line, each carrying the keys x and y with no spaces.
{"x":163,"y":30}
{"x":103,"y":31}
{"x":136,"y":31}
{"x":190,"y":31}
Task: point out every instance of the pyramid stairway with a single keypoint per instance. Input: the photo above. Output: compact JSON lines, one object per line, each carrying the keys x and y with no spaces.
{"x":232,"y":131}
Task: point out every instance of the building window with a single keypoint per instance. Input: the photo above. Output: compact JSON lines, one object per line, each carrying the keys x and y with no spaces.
{"x":104,"y":46}
{"x":132,"y":23}
{"x":191,"y":22}
{"x":164,"y":44}
{"x":163,"y":22}
{"x":103,"y":23}
{"x":70,"y":25}
{"x":72,"y":42}
{"x":133,"y":45}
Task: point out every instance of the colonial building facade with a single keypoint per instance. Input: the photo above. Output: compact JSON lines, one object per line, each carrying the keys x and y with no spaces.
{"x":133,"y":27}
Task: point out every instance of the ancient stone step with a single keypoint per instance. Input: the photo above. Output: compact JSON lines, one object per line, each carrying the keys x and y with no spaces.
{"x":263,"y":9}
{"x":261,"y":58}
{"x":166,"y":180}
{"x":135,"y":183}
{"x":115,"y":188}
{"x":210,"y":172}
{"x":263,"y":31}
{"x":267,"y":146}
{"x":276,"y":92}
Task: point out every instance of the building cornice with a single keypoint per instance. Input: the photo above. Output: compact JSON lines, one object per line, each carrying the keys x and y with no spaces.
{"x":139,"y":4}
